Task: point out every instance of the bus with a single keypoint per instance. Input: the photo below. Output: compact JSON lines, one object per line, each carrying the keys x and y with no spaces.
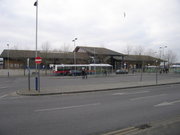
{"x":150,"y":69}
{"x":76,"y":69}
{"x":175,"y":68}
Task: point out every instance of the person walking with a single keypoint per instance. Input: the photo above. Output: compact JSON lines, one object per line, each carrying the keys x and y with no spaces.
{"x":84,"y":73}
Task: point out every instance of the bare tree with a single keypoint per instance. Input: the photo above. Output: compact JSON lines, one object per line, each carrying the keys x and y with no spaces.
{"x":128,"y":49}
{"x":66,"y":48}
{"x":151,"y":52}
{"x":45,"y":52}
{"x":139,"y":50}
{"x":45,"y":47}
{"x":171,"y":57}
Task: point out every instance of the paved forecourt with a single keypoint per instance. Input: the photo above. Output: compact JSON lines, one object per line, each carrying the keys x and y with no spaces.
{"x":67,"y":85}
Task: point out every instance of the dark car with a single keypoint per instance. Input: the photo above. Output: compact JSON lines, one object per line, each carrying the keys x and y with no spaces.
{"x":75,"y":73}
{"x":121,"y":71}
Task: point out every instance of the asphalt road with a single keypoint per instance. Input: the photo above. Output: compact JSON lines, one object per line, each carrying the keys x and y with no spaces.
{"x":84,"y":114}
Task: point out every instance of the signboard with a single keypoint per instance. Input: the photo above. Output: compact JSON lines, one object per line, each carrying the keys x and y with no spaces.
{"x":38,"y":60}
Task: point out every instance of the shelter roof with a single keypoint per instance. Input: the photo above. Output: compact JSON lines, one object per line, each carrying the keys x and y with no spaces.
{"x":97,"y":51}
{"x":43,"y":54}
{"x":141,"y":58}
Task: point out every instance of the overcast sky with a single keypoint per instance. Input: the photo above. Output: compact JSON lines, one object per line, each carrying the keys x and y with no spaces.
{"x":113,"y":24}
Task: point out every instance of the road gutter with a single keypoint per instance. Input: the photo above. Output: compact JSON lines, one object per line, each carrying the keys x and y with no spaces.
{"x":143,"y":129}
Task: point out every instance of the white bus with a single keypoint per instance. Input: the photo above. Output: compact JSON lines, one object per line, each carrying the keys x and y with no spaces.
{"x":175,"y":68}
{"x":76,"y":69}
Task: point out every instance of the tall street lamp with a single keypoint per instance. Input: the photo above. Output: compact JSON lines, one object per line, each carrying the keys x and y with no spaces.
{"x":8,"y":59}
{"x":74,"y":40}
{"x":162,"y":53}
{"x":36,"y":4}
{"x":156,"y":72}
{"x":37,"y":79}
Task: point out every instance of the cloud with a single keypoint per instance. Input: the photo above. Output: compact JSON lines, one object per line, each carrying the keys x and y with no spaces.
{"x":149,"y":23}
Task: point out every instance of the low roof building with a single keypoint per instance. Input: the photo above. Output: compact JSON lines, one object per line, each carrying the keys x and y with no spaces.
{"x":81,"y":54}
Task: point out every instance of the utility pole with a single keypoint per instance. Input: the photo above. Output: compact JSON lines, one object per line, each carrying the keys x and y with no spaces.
{"x":8,"y":59}
{"x":29,"y":77}
{"x":74,"y":40}
{"x":162,"y":54}
{"x":156,"y":72}
{"x":37,"y":78}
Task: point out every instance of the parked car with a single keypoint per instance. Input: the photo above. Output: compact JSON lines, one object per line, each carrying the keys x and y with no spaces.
{"x":121,"y":71}
{"x":75,"y":73}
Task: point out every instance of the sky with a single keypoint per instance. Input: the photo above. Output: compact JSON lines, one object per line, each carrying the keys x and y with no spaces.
{"x":113,"y":24}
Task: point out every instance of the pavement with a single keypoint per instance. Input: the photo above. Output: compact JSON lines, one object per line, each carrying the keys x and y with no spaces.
{"x":69,"y":88}
{"x":163,"y":127}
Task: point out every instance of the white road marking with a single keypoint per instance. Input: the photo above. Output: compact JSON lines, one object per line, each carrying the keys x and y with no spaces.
{"x":3,"y":96}
{"x":3,"y":87}
{"x":139,"y":98}
{"x":115,"y":94}
{"x":167,"y":103}
{"x":67,"y":107}
{"x":130,"y":93}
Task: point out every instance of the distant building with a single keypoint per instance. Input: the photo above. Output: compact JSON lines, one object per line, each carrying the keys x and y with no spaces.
{"x":81,"y":55}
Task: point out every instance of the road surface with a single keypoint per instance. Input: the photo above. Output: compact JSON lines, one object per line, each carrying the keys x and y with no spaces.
{"x":84,"y":114}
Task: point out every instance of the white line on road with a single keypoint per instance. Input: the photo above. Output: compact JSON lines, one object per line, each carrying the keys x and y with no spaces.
{"x":167,"y":103}
{"x":139,"y":98}
{"x":3,"y":87}
{"x":130,"y":93}
{"x":3,"y":96}
{"x":67,"y":107}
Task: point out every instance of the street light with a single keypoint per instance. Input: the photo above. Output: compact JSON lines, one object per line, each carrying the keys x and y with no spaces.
{"x":162,"y":53}
{"x":74,"y":40}
{"x":37,"y":78}
{"x":156,"y":72}
{"x":8,"y":59}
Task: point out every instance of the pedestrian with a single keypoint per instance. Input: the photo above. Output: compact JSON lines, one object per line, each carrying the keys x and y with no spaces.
{"x":167,"y":70}
{"x":83,"y":73}
{"x":105,"y":72}
{"x":133,"y":70}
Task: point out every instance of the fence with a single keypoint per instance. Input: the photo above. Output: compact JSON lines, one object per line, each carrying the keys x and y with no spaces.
{"x":22,"y":72}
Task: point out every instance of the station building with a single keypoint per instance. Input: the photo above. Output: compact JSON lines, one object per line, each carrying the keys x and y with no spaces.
{"x":17,"y":59}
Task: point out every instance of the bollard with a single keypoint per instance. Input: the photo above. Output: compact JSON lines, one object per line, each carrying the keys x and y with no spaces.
{"x":36,"y":83}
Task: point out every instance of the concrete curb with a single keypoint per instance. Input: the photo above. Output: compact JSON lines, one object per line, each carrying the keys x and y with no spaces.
{"x":155,"y":127}
{"x":35,"y":93}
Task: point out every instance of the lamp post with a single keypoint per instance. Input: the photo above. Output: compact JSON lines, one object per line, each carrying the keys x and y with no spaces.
{"x":74,"y":40}
{"x":8,"y":59}
{"x":162,"y":53}
{"x":37,"y":78}
{"x":156,"y":72}
{"x":164,"y":57}
{"x":36,"y":4}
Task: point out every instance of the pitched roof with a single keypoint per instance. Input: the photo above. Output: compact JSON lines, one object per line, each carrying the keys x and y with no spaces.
{"x":97,"y":51}
{"x":31,"y":54}
{"x":18,"y":53}
{"x":141,"y":58}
